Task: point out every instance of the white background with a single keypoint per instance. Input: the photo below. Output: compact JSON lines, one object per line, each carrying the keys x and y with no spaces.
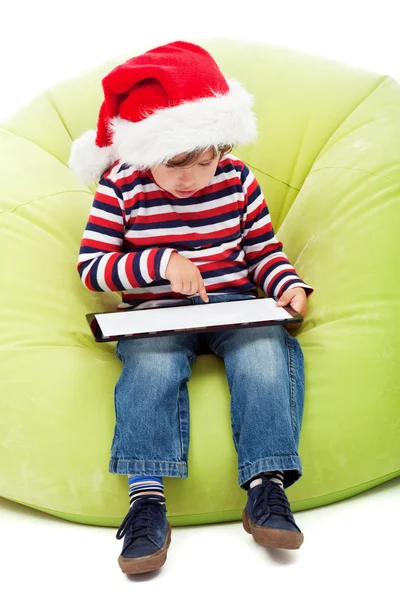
{"x":351,"y":548}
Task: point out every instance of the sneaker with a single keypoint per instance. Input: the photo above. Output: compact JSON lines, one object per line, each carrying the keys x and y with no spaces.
{"x":147,"y":536}
{"x":267,"y":516}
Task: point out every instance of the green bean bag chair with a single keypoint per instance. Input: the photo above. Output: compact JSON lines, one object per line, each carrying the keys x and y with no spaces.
{"x":328,"y":159}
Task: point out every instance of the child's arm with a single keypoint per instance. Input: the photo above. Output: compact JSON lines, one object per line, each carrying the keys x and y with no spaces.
{"x":102,"y":266}
{"x":269,"y":266}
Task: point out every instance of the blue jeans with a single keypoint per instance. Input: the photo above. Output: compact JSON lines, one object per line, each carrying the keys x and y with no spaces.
{"x":265,"y":372}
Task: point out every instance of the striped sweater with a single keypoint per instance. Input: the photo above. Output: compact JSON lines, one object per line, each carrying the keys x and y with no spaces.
{"x":224,"y":229}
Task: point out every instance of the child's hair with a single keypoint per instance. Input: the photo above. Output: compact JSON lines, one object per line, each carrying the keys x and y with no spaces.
{"x":188,"y":159}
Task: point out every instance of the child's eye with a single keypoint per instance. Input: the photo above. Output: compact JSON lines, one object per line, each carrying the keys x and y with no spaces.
{"x":207,"y":164}
{"x":167,"y":166}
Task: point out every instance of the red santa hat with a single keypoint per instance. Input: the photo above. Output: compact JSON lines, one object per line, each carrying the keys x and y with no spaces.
{"x":170,"y":100}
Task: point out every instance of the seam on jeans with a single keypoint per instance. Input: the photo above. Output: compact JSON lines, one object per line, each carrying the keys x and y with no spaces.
{"x":164,"y":462}
{"x":294,"y":457}
{"x":289,"y":344}
{"x":191,"y":357}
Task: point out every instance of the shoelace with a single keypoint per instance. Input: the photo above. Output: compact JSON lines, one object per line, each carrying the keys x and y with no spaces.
{"x":144,"y":514}
{"x":271,"y":500}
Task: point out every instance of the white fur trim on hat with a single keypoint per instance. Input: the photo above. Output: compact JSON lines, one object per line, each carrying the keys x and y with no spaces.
{"x":220,"y":119}
{"x":87,"y":160}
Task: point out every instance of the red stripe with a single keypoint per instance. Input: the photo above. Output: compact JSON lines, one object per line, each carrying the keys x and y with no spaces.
{"x":252,"y":187}
{"x":112,"y":258}
{"x":150,"y":263}
{"x":99,"y":222}
{"x":253,"y":233}
{"x":215,"y":287}
{"x":222,"y":264}
{"x":129,"y":270}
{"x":268,"y":249}
{"x":100,"y":246}
{"x":107,"y":198}
{"x":167,"y":240}
{"x":86,"y":281}
{"x":183,"y":216}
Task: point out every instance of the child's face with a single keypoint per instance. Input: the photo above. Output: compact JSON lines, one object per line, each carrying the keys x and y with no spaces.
{"x":183,"y":182}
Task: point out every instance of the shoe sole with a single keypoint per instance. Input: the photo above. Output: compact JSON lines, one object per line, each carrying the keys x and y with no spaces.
{"x":274,"y":538}
{"x":146,"y":564}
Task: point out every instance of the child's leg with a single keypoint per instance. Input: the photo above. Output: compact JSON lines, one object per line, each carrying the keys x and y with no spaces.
{"x":264,"y":367}
{"x":151,"y":440}
{"x":265,"y":372}
{"x":151,"y":404}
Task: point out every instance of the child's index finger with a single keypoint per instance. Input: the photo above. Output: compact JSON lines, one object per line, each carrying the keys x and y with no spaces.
{"x":202,"y":292}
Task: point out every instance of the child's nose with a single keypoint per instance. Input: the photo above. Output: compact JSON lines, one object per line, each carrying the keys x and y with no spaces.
{"x":187,"y":176}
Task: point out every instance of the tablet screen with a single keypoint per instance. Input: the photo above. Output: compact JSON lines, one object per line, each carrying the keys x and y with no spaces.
{"x":193,"y":317}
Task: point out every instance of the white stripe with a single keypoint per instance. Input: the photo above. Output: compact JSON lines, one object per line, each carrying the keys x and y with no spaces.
{"x":164,"y":262}
{"x":122,"y":272}
{"x":260,"y":223}
{"x":184,"y":231}
{"x":101,"y":270}
{"x":89,"y":256}
{"x":190,"y":209}
{"x":229,"y":277}
{"x":107,"y":216}
{"x":144,"y":271}
{"x":201,"y":252}
{"x":102,"y":237}
{"x":263,"y":246}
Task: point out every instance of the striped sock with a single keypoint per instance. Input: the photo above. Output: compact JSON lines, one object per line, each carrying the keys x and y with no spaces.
{"x":140,"y":486}
{"x":275,"y":476}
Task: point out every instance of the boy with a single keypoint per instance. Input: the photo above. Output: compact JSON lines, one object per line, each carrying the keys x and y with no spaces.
{"x":176,"y":219}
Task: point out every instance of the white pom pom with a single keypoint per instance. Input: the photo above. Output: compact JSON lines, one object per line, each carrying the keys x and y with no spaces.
{"x":87,"y":160}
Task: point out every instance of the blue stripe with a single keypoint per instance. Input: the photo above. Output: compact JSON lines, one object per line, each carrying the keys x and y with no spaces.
{"x":130,"y":186}
{"x":104,"y":230}
{"x":182,"y":222}
{"x":264,"y":237}
{"x":93,"y":275}
{"x":110,"y":184}
{"x":157,"y":262}
{"x":244,"y":174}
{"x":114,"y":210}
{"x":124,"y":167}
{"x":90,"y":250}
{"x":114,"y":274}
{"x":226,"y":270}
{"x":138,"y":479}
{"x":136,"y":270}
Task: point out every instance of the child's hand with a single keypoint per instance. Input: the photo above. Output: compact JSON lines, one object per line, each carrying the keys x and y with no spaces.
{"x":185,"y":277}
{"x":296,"y":298}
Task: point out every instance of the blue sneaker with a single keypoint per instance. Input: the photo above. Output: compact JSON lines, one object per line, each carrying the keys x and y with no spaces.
{"x":147,"y":537}
{"x":267,"y":516}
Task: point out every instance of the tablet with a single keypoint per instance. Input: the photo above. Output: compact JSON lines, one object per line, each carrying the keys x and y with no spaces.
{"x":196,"y":318}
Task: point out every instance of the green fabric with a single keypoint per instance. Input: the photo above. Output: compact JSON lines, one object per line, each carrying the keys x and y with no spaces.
{"x":328,"y":160}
